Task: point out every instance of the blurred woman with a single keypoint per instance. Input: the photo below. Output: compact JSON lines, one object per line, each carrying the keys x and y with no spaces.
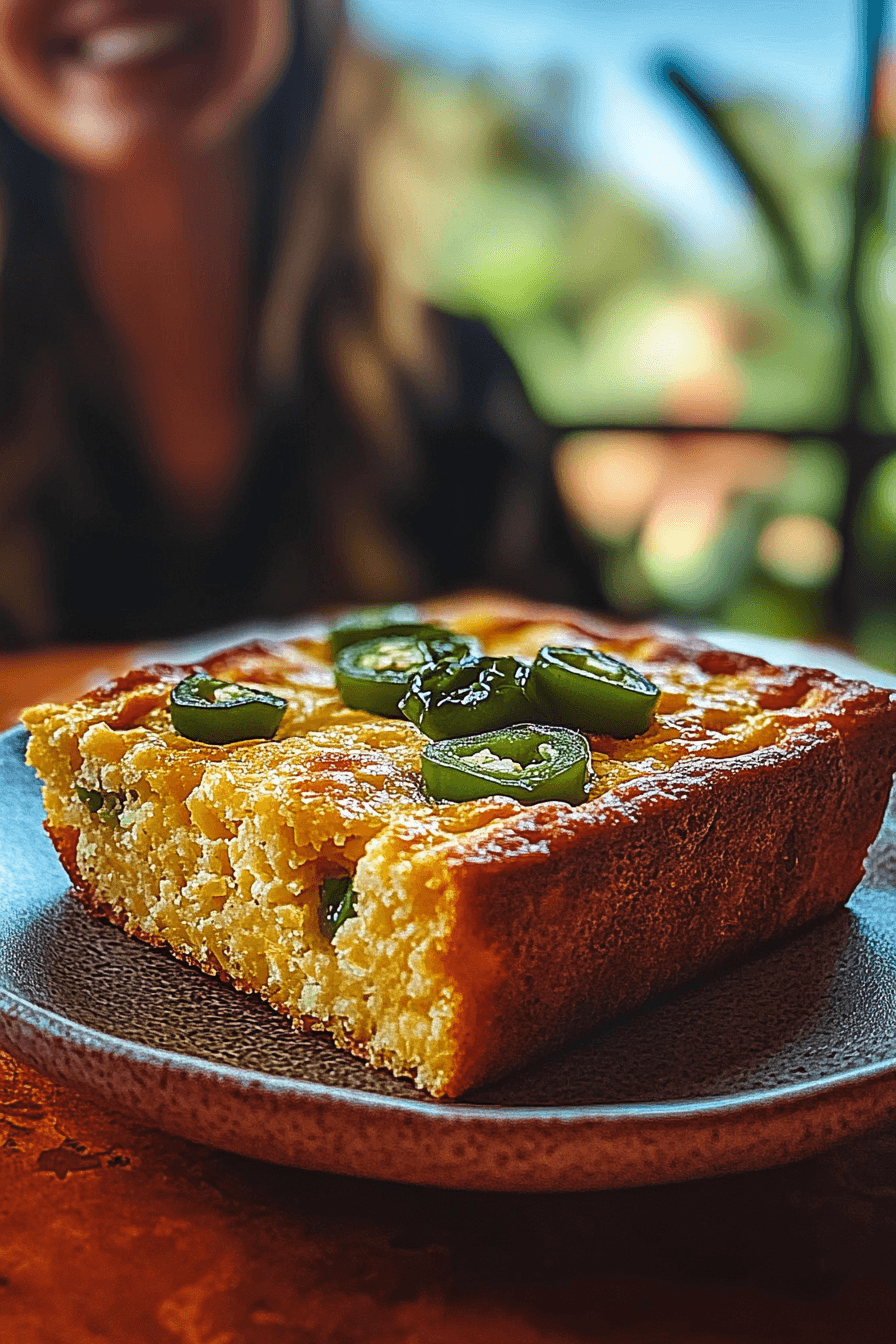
{"x":213,"y":403}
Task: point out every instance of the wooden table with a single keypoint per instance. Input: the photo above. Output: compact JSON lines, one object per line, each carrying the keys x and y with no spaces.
{"x":110,"y":1231}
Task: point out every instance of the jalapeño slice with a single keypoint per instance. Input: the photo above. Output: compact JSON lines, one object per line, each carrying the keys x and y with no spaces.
{"x":375,"y":675}
{"x":337,"y":904}
{"x":527,"y":762}
{"x":587,"y":689}
{"x":207,"y":710}
{"x":455,"y":699}
{"x":376,"y":622}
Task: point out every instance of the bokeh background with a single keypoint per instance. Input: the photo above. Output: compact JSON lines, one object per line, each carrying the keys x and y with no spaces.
{"x":678,"y":216}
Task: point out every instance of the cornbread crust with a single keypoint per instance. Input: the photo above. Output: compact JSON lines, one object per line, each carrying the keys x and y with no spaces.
{"x":487,"y":932}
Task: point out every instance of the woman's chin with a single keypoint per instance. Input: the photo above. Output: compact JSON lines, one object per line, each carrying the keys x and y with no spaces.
{"x":104,"y":127}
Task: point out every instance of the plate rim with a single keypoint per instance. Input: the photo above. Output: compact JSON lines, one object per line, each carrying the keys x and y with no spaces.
{"x":248,"y":1080}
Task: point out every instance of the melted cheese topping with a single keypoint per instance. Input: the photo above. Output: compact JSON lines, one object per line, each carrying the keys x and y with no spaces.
{"x":369,"y":766}
{"x":699,"y":713}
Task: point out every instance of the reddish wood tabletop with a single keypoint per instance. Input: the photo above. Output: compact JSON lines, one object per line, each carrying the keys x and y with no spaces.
{"x":111,"y":1231}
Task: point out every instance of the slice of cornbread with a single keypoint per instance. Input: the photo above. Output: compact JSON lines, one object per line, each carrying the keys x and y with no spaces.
{"x":486,"y":932}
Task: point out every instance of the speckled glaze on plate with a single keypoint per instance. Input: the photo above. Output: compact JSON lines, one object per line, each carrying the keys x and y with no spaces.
{"x":774,"y":1059}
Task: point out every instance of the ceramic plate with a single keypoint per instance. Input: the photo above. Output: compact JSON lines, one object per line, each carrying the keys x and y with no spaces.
{"x":771,"y":1060}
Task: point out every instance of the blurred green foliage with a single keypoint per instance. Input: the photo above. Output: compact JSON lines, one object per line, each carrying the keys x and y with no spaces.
{"x":612,"y":319}
{"x":569,"y":267}
{"x":815,"y":482}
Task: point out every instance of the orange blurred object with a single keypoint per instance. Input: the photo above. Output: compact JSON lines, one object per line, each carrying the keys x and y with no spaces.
{"x":614,"y":483}
{"x":58,"y":673}
{"x":800,"y":549}
{"x":608,"y":480}
{"x":883,"y":102}
{"x":693,"y":342}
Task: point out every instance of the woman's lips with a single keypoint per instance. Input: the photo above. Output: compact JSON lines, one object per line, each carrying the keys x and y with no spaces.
{"x":108,"y":35}
{"x":133,"y":43}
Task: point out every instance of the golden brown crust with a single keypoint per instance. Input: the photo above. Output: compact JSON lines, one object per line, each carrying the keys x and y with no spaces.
{"x":65,"y":841}
{"x":689,"y":873}
{"x":507,"y":613}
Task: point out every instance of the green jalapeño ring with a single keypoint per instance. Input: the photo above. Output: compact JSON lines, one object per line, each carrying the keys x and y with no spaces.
{"x":527,"y":762}
{"x":590,"y":690}
{"x":454,"y":699}
{"x":376,"y":622}
{"x":217,"y":712}
{"x":376,"y":674}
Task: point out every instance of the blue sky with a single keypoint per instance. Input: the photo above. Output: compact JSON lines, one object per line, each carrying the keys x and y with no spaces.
{"x":802,"y":52}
